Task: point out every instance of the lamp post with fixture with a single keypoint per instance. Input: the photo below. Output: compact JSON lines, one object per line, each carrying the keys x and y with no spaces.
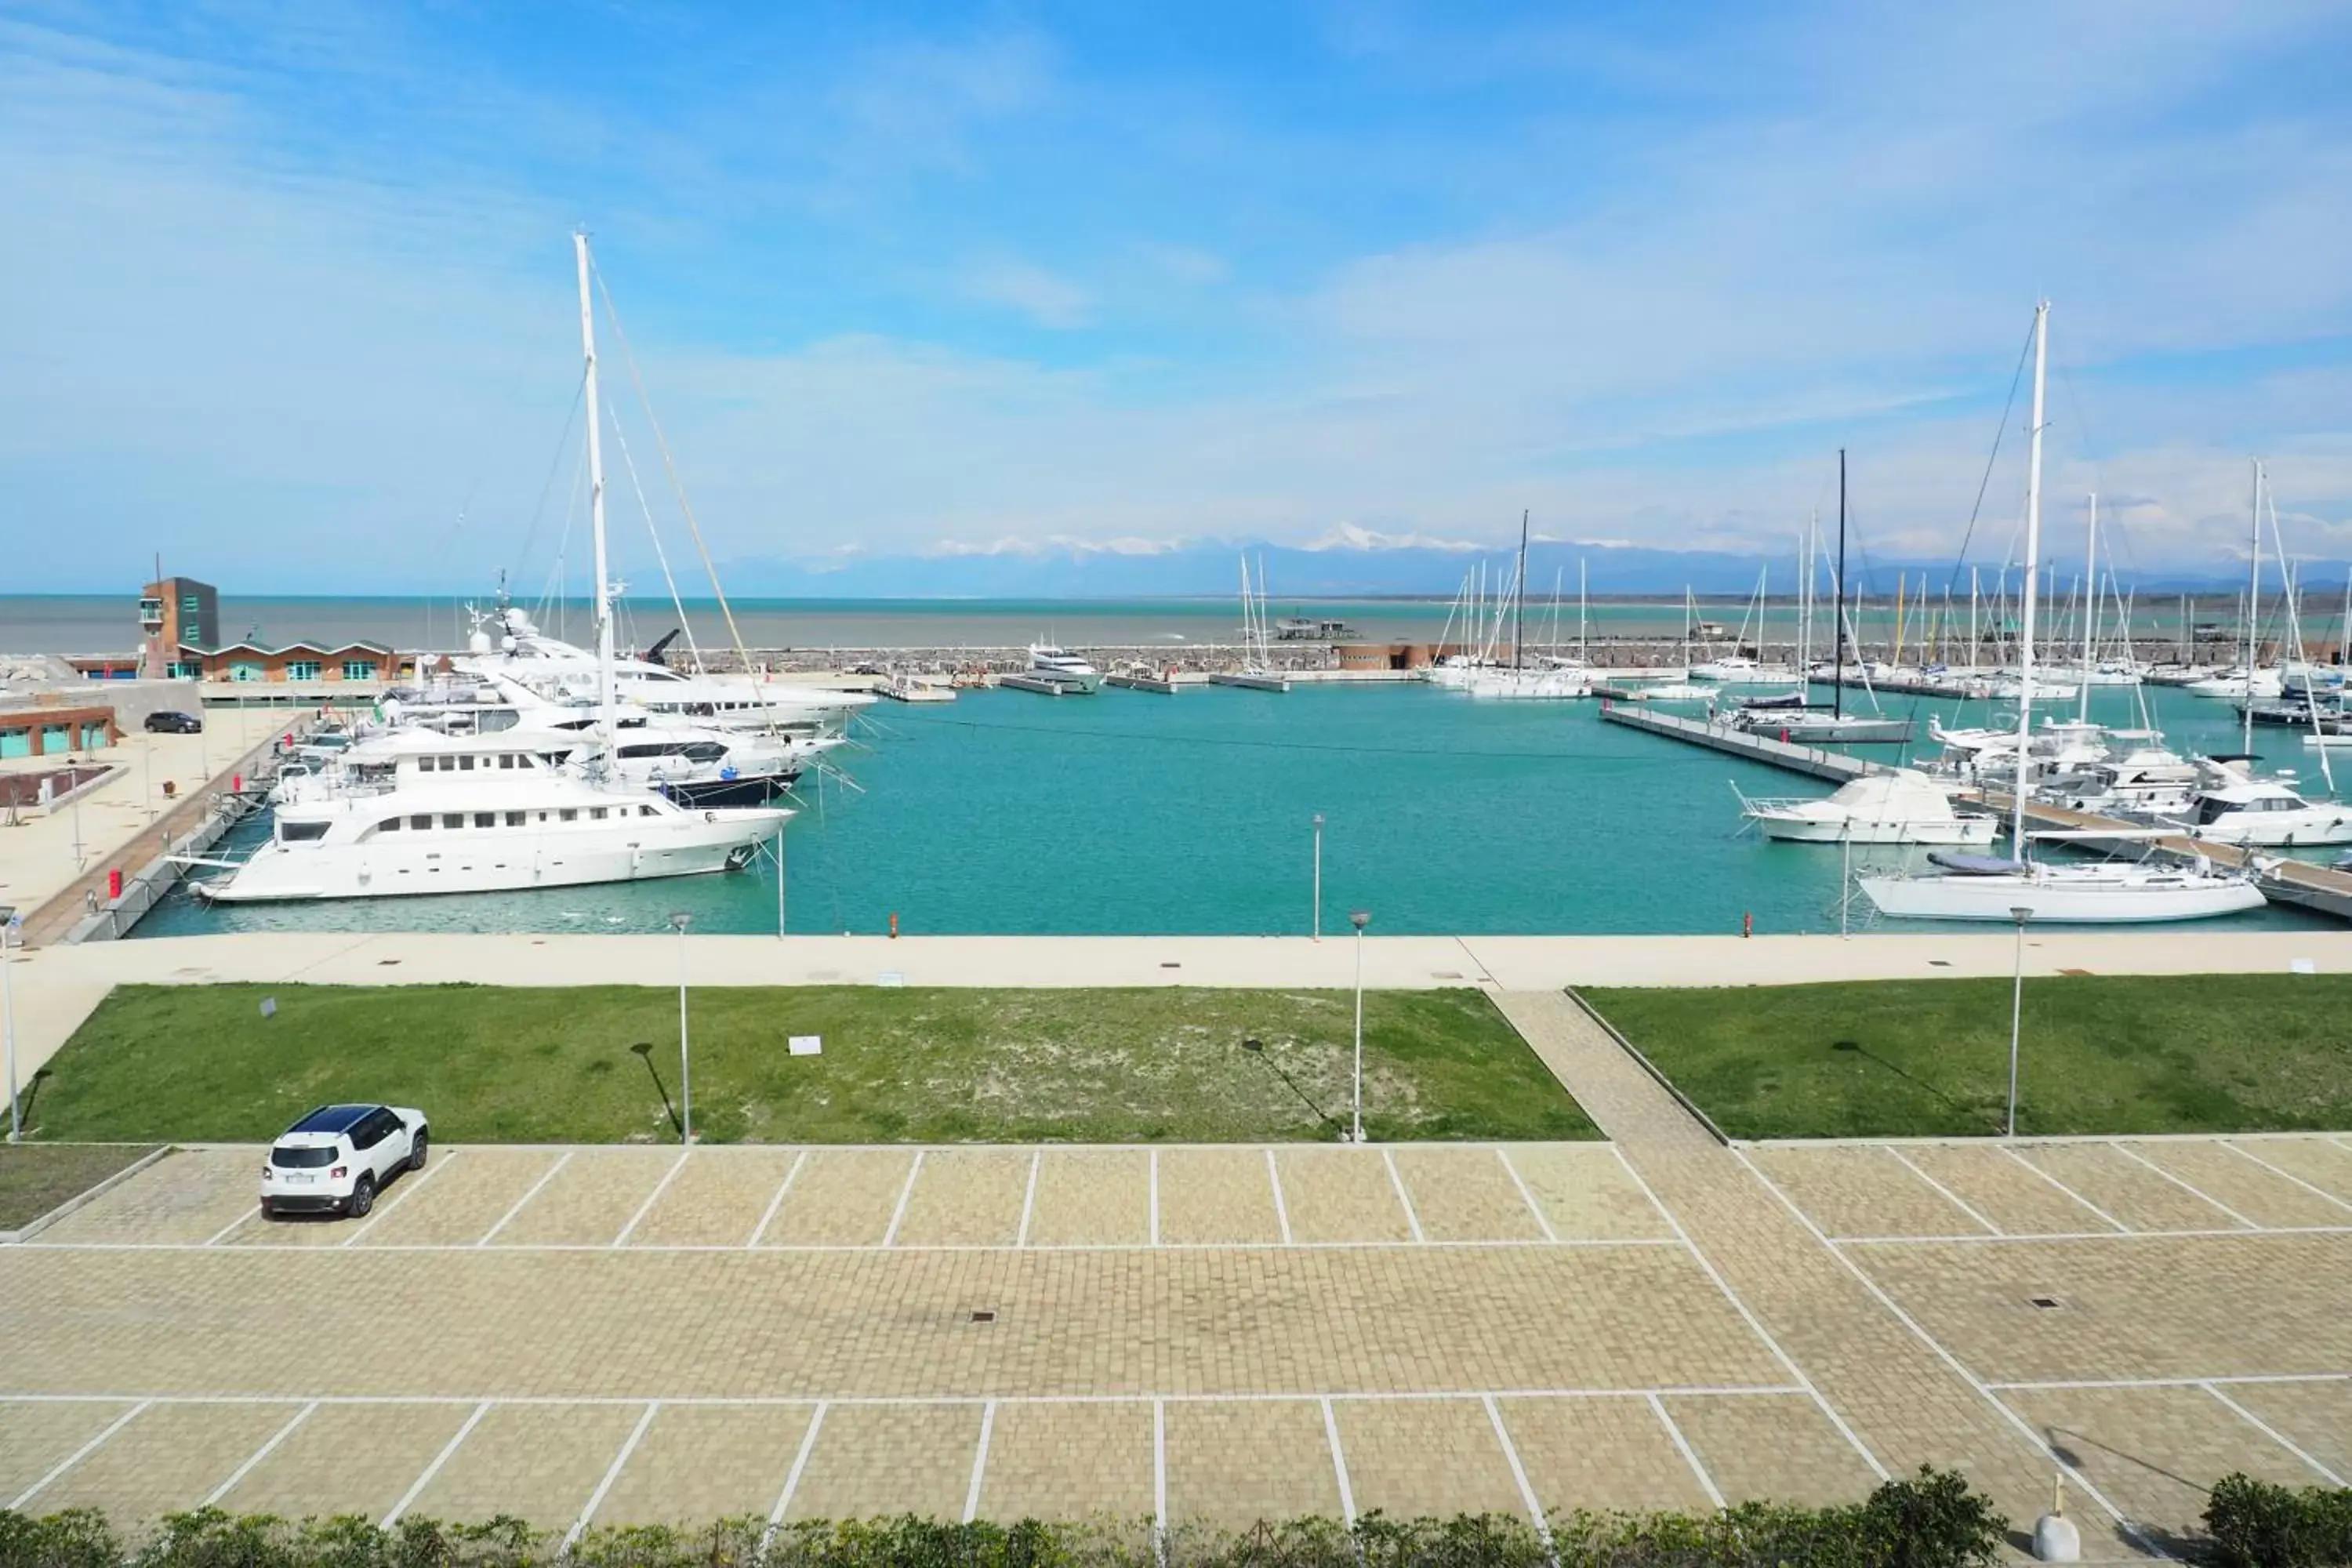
{"x":1319,"y":877}
{"x":1359,"y":920}
{"x":685,"y":1058}
{"x":2021,"y":914}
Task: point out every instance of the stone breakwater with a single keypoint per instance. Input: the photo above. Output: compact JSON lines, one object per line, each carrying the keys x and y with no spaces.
{"x":1205,"y":659}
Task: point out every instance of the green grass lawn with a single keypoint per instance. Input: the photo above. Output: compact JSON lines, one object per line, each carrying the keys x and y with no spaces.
{"x":2218,"y":1053}
{"x":36,"y":1177}
{"x":500,"y":1063}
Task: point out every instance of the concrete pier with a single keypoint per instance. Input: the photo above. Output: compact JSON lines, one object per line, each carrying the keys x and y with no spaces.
{"x":1811,"y":760}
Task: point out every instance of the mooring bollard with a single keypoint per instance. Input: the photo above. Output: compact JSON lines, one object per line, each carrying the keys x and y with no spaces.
{"x":2056,"y":1538}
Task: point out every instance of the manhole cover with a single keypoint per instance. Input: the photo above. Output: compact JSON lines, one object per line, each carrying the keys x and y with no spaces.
{"x":1939,"y":964}
{"x":1446,"y":975}
{"x":984,"y":1317}
{"x":2045,"y":1303}
{"x":1172,"y":966}
{"x":385,"y":963}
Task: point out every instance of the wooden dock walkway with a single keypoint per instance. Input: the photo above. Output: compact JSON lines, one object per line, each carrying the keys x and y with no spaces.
{"x":1811,"y":760}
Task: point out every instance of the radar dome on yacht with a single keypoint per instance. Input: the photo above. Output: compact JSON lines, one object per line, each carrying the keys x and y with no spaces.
{"x":506,"y":645}
{"x":479,"y":643}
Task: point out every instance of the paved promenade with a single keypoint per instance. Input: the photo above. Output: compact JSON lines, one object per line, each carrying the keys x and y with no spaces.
{"x":57,"y":987}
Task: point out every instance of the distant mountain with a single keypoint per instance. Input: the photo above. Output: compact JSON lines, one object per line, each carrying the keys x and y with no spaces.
{"x":1082,"y":572}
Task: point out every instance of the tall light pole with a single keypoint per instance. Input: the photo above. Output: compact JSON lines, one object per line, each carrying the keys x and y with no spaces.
{"x":1359,"y":920}
{"x":2021,"y":914}
{"x":1319,"y":877}
{"x":780,"y":883}
{"x":684,"y":1060}
{"x":10,"y":933}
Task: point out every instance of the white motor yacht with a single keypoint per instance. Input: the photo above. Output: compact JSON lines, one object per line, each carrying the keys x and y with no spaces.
{"x":1048,"y":662}
{"x":1900,"y":806}
{"x":1531,"y":685}
{"x":1738,"y":670}
{"x":2263,"y":812}
{"x":2254,"y":687}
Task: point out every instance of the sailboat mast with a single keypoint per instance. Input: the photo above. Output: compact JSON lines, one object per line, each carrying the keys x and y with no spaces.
{"x":604,"y":695}
{"x":1837,"y":624}
{"x":1584,"y":652}
{"x":2090,"y":621}
{"x":2253,"y":606}
{"x":1519,"y":612}
{"x":2025,"y":613}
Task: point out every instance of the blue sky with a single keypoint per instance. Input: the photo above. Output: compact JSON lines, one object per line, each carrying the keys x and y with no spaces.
{"x":289,"y":288}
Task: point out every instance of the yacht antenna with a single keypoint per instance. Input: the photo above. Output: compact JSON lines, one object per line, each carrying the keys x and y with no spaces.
{"x":2025,"y":613}
{"x":2090,"y":621}
{"x":2254,"y":608}
{"x":1519,"y":614}
{"x":596,"y":501}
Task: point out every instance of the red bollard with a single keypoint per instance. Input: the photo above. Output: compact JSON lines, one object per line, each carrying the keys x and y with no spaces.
{"x":1747,"y":923}
{"x":894,"y":925}
{"x":114,"y":882}
{"x":236,"y":783}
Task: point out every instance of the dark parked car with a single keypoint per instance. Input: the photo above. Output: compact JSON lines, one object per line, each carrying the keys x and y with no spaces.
{"x":171,"y":723}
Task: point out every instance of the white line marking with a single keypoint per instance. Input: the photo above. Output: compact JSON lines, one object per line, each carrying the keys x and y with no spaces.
{"x":1690,"y":1455}
{"x":258,"y":1454}
{"x":907,"y":1192}
{"x":1754,"y":1323}
{"x":1155,"y":1197}
{"x":1281,"y":1206}
{"x":980,"y":1461}
{"x":2024,"y":1427}
{"x":1972,"y":1238}
{"x":652,"y":1198}
{"x":248,"y":1215}
{"x":1950,"y":1197}
{"x":1412,"y":1220}
{"x":1525,"y":1196}
{"x":1339,"y":1466}
{"x":1160,"y":1465}
{"x":893,"y":1401}
{"x":1519,"y":1470}
{"x":1487,"y":1244}
{"x":1029,"y":1199}
{"x":2062,"y":1187}
{"x":401,"y":1196}
{"x":2130,"y":1153}
{"x":79,"y":1455}
{"x":612,"y":1471}
{"x":793,"y":1476}
{"x":416,"y":1488}
{"x":2230,"y":1378}
{"x":2267,"y":1430}
{"x":530,"y":1193}
{"x":777,"y":1201}
{"x":2311,"y":1187}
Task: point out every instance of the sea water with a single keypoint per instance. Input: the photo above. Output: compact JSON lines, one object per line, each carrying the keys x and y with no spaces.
{"x":1132,"y":812}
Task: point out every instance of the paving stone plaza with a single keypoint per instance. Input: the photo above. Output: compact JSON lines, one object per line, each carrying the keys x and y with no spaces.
{"x":600,"y":1335}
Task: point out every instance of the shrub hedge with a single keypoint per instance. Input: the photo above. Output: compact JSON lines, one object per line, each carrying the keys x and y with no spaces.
{"x":1929,"y":1520}
{"x":2255,"y":1524}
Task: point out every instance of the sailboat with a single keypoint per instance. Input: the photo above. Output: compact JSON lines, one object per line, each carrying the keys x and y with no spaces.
{"x":495,"y":815}
{"x":1988,"y":887}
{"x":1541,"y":683}
{"x":1257,"y":672}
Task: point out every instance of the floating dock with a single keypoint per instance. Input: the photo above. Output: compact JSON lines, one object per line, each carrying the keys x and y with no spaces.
{"x":1165,"y":685}
{"x":1044,"y":685}
{"x":1252,"y":681}
{"x":1811,"y":760}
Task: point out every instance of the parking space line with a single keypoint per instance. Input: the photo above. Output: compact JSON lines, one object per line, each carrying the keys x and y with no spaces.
{"x":2311,"y":1187}
{"x":980,"y":1461}
{"x":1281,"y":1205}
{"x":612,"y":1471}
{"x":2267,"y":1430}
{"x":1412,"y":1220}
{"x":1526,"y":1196}
{"x":2130,"y":1153}
{"x":905,"y":1192}
{"x":793,"y":1476}
{"x":652,"y":1198}
{"x":1339,"y":1466}
{"x":777,"y":1201}
{"x":528,"y":1193}
{"x":416,"y":1488}
{"x":2232,"y":1379}
{"x":1029,"y":1200}
{"x":1756,"y":1325}
{"x":400,"y":1197}
{"x":1159,"y":1466}
{"x":2011,"y":1151}
{"x":1689,"y":1454}
{"x":248,"y":1215}
{"x":2025,"y":1429}
{"x":1948,"y":1195}
{"x":1970,"y":1238}
{"x":1518,"y":1471}
{"x":1155,"y":1197}
{"x":259,"y":1454}
{"x":1486,"y":1244}
{"x":79,"y":1455}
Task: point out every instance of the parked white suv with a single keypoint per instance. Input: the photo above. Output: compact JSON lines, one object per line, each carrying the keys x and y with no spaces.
{"x":336,"y":1159}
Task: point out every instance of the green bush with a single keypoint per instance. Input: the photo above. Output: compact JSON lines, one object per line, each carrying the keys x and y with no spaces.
{"x":1930,"y":1520}
{"x":2255,"y":1524}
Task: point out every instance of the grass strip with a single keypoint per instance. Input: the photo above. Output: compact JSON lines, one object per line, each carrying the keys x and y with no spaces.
{"x":36,"y":1177}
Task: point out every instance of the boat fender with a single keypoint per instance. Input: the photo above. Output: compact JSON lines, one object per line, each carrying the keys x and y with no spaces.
{"x":710,"y":817}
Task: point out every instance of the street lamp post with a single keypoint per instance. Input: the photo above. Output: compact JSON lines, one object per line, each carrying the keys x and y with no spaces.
{"x":10,"y":933}
{"x":1319,"y":877}
{"x":2021,"y":914}
{"x":1359,"y":920}
{"x":685,"y":1059}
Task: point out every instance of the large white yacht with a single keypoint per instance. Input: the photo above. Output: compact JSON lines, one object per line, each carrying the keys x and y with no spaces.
{"x":1899,"y":806}
{"x":2264,"y":813}
{"x":1049,"y":662}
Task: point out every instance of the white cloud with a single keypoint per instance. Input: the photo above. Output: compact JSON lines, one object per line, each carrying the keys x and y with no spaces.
{"x":1047,"y":298}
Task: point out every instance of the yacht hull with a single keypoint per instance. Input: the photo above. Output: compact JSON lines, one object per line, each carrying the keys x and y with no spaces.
{"x":1790,"y":829}
{"x":2147,"y":901}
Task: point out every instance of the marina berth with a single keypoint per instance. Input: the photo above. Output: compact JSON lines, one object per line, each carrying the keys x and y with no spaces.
{"x":1900,"y":806}
{"x":2263,"y":814}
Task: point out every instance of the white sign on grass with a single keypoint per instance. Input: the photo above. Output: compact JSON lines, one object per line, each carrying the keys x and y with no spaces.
{"x":808,"y":1045}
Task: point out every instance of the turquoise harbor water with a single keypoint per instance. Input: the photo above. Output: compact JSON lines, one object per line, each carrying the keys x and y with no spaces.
{"x":1129,"y":813}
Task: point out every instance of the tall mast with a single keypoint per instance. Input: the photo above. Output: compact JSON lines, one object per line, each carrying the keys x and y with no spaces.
{"x":2090,"y":621}
{"x":604,"y":696}
{"x":1584,"y":652}
{"x":1837,"y":622}
{"x":1519,"y":612}
{"x":2025,"y":614}
{"x":2253,"y":606}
